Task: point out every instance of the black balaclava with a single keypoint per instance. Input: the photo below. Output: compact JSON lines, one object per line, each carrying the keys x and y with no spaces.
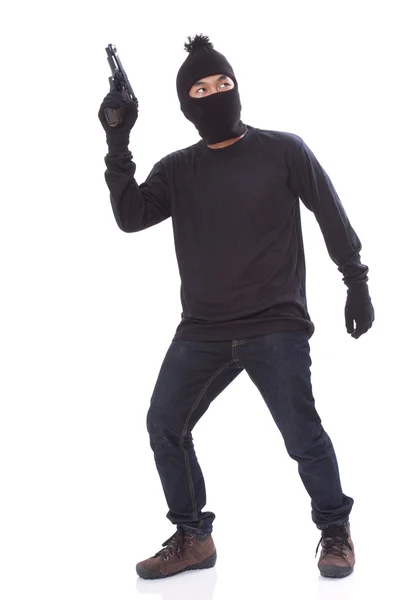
{"x":216,"y":116}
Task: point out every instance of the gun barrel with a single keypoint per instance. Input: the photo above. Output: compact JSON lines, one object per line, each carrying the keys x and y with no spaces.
{"x":111,"y":58}
{"x":112,"y":64}
{"x":117,"y":68}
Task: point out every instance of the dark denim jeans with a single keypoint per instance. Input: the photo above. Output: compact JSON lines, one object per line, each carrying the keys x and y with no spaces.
{"x":193,"y":373}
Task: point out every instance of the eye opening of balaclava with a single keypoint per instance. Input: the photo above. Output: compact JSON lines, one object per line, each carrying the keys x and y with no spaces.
{"x":216,"y":116}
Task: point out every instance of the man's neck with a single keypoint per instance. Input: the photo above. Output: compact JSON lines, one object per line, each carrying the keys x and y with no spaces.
{"x":227,"y":142}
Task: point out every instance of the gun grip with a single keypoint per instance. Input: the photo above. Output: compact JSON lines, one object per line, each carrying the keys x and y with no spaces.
{"x":113,"y":116}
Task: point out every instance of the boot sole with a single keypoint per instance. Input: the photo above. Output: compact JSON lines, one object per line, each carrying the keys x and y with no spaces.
{"x":150,"y":574}
{"x":331,"y":571}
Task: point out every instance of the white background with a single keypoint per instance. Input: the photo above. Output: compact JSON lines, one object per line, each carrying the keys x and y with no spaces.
{"x":88,"y":312}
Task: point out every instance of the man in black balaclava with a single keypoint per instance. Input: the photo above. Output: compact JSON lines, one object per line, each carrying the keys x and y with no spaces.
{"x":216,"y":116}
{"x":233,"y":198}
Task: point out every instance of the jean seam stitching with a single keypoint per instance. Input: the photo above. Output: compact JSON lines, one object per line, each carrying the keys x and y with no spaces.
{"x":184,"y":432}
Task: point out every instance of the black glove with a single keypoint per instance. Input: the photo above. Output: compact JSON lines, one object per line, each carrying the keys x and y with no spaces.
{"x":358,"y":308}
{"x":118,"y":136}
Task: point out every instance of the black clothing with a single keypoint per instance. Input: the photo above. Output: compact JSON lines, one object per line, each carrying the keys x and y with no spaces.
{"x":203,"y":60}
{"x":117,"y":136}
{"x":216,"y":116}
{"x":236,"y":221}
{"x":359,"y":308}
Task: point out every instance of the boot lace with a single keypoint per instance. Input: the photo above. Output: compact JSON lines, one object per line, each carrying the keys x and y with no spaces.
{"x":334,"y":539}
{"x":175,"y":544}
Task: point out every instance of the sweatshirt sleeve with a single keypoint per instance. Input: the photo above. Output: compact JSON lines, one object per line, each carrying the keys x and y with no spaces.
{"x":309,"y":181}
{"x":135,"y":207}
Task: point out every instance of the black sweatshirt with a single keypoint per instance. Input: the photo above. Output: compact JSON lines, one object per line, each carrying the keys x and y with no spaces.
{"x":236,"y":222}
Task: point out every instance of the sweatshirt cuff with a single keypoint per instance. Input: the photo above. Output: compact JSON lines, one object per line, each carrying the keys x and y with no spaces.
{"x":117,"y":149}
{"x":359,"y":291}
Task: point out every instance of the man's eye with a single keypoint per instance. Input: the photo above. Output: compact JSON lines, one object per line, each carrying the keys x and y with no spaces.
{"x":224,"y":83}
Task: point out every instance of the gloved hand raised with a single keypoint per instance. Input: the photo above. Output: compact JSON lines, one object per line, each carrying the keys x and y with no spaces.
{"x":359,"y":309}
{"x":118,"y":136}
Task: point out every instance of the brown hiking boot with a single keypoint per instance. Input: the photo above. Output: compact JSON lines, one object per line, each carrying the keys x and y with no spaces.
{"x":337,"y":554}
{"x":184,"y":552}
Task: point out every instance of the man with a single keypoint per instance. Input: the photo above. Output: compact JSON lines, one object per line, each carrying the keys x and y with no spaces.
{"x":234,"y":202}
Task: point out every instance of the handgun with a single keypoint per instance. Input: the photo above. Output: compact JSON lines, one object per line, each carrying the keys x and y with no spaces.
{"x":118,"y":82}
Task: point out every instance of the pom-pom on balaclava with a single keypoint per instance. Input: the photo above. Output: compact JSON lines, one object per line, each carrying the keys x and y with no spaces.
{"x":216,"y":116}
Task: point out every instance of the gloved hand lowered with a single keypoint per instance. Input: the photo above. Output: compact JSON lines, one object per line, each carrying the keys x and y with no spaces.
{"x":118,"y":136}
{"x":359,"y":309}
